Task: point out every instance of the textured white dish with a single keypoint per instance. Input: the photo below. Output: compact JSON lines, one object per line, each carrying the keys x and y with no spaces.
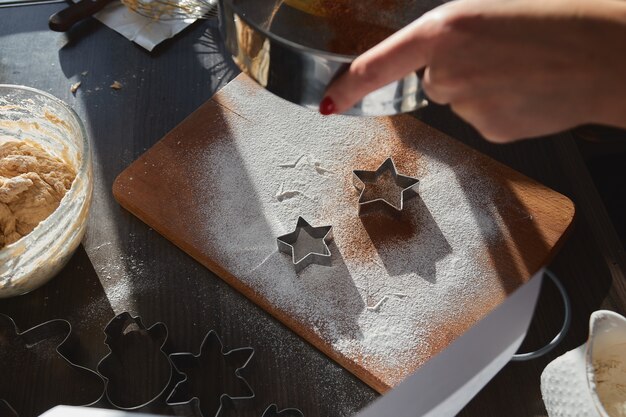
{"x":564,"y":386}
{"x":576,"y":383}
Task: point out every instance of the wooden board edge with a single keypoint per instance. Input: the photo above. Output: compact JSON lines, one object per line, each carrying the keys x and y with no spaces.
{"x":308,"y":335}
{"x":556,"y":248}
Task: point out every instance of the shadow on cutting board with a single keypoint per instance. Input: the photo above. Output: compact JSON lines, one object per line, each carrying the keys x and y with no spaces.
{"x":390,"y":234}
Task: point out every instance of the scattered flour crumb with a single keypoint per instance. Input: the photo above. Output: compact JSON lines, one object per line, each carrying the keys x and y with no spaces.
{"x":74,"y":87}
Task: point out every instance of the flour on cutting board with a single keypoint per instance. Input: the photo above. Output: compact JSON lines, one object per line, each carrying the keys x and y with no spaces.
{"x":398,"y":291}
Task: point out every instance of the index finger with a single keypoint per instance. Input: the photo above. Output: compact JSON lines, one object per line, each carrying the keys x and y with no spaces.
{"x":405,"y":51}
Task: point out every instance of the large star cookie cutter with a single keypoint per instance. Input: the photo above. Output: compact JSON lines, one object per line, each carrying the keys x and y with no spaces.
{"x":383,"y":189}
{"x":307,"y":245}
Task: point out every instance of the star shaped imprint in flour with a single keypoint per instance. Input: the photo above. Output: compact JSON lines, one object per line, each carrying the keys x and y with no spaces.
{"x":383,"y":188}
{"x":307,"y":244}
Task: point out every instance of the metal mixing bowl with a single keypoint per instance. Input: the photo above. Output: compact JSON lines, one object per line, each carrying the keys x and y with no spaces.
{"x":295,"y":54}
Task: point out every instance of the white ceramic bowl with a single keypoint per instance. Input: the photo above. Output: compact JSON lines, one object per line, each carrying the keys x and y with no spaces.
{"x":27,"y":113}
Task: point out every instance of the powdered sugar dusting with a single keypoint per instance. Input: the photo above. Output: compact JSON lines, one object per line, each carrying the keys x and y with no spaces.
{"x":399,"y":290}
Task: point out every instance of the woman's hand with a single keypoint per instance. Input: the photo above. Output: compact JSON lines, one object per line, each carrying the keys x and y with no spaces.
{"x":511,"y":68}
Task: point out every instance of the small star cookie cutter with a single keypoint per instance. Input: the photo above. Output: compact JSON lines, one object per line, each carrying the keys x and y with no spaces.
{"x":407,"y":188}
{"x":308,"y":248}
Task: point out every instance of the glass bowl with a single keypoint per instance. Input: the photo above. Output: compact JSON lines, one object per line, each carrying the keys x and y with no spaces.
{"x":27,"y":113}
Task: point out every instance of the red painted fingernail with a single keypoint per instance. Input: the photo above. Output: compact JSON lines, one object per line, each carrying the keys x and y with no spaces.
{"x":327,"y":106}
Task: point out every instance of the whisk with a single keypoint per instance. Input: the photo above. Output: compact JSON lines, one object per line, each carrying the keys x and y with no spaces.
{"x":173,"y":9}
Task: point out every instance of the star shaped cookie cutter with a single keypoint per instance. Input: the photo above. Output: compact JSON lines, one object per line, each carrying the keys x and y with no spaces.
{"x":204,"y":372}
{"x":307,"y":245}
{"x":407,"y":188}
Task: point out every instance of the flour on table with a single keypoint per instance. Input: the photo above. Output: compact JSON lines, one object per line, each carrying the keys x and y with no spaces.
{"x":398,"y":291}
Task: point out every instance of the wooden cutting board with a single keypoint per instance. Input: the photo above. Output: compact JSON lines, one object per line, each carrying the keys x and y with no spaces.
{"x":239,"y":171}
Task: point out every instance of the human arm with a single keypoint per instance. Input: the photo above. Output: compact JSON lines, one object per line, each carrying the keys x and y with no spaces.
{"x":512,"y":68}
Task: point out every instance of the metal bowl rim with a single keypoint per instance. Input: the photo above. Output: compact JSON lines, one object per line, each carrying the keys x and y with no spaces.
{"x":294,"y":45}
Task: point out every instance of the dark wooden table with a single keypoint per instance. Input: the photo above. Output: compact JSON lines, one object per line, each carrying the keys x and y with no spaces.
{"x":123,"y":265}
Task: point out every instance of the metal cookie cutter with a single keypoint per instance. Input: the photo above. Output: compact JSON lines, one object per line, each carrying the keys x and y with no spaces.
{"x":211,"y":376}
{"x":23,"y":356}
{"x":230,"y":409}
{"x":383,"y":188}
{"x":272,"y":411}
{"x":6,"y":410}
{"x":137,"y":370}
{"x":307,"y":245}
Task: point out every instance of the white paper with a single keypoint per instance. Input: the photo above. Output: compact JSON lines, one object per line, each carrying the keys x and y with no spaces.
{"x":142,"y":30}
{"x":71,"y":411}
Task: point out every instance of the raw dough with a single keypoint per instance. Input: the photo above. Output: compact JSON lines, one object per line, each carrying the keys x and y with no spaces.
{"x":32,"y":184}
